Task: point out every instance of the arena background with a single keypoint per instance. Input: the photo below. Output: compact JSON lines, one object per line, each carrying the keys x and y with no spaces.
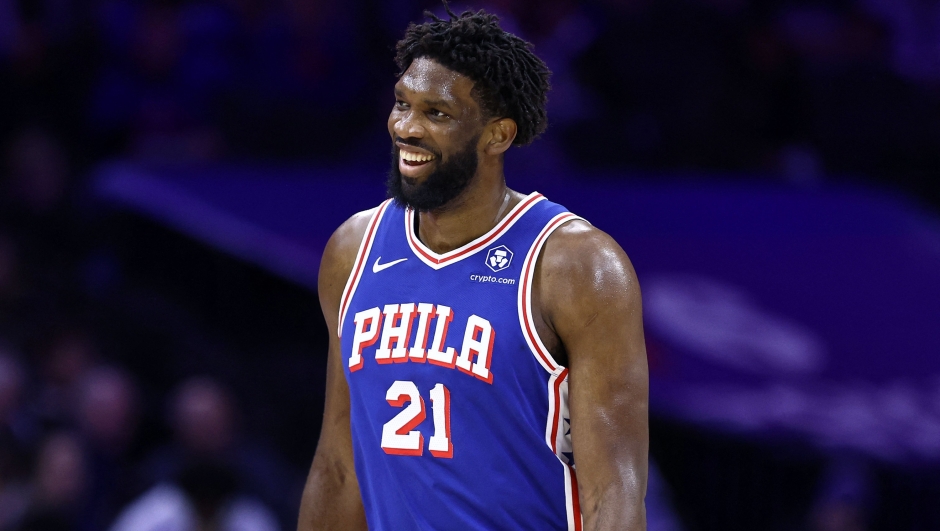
{"x":172,"y":170}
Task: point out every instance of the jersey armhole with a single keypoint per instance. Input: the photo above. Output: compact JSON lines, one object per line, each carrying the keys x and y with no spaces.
{"x":365,"y":247}
{"x":526,"y":321}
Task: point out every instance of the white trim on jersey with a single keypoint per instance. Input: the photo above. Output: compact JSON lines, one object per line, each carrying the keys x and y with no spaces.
{"x":560,"y":443}
{"x":438,"y":261}
{"x":524,"y":300}
{"x":555,"y":436}
{"x":572,"y":503}
{"x":359,"y":265}
{"x":557,"y":406}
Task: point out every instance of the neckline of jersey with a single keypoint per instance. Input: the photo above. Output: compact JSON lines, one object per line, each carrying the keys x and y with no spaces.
{"x":438,"y":261}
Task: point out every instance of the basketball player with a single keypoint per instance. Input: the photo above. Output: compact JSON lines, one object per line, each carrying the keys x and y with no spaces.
{"x":487,"y":367}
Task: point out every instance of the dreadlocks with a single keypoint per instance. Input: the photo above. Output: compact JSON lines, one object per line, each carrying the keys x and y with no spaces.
{"x":509,"y":80}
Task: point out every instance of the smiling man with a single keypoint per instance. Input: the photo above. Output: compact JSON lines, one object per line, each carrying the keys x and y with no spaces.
{"x":487,"y":368}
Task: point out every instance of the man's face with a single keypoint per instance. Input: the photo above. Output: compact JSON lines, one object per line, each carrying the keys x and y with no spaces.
{"x":435,"y":127}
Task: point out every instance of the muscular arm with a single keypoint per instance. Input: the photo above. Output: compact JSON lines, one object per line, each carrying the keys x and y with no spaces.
{"x":331,"y":498}
{"x":590,"y":299}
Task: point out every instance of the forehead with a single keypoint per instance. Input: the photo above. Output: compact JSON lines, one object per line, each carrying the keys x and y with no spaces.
{"x":432,"y":81}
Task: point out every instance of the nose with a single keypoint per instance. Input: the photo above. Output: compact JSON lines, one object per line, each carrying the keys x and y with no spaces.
{"x":405,"y":125}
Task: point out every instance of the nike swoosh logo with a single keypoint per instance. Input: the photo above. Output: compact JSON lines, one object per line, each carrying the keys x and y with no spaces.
{"x":376,"y":267}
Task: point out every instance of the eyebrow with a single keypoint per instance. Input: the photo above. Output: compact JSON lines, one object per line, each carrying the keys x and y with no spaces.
{"x":438,"y":103}
{"x":431,"y":103}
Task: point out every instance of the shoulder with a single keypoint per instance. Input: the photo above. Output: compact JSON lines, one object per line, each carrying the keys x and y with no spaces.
{"x":346,"y":238}
{"x":340,"y":253}
{"x":579,"y":250}
{"x":581,"y":263}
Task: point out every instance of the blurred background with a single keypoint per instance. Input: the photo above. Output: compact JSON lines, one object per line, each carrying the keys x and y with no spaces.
{"x":171,"y":170}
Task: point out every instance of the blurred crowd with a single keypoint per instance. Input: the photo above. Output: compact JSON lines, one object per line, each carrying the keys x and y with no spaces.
{"x":94,"y":436}
{"x":88,"y":440}
{"x":685,"y":83}
{"x":791,"y":88}
{"x":70,"y":452}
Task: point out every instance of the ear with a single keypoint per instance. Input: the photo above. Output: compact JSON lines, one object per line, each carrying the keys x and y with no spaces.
{"x":500,"y":133}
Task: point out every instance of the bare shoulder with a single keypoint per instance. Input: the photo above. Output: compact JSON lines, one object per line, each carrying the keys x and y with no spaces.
{"x":340,"y":255}
{"x":345,"y":240}
{"x":582,"y":263}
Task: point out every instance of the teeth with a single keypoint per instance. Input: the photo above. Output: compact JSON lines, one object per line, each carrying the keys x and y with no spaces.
{"x":415,"y":157}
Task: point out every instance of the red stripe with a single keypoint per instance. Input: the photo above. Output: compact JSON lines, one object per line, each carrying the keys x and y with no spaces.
{"x":575,"y":502}
{"x":502,"y":226}
{"x":557,"y":397}
{"x":530,"y":267}
{"x":361,"y":260}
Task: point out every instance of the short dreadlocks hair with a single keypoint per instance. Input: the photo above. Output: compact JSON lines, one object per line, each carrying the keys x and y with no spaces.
{"x":509,"y":80}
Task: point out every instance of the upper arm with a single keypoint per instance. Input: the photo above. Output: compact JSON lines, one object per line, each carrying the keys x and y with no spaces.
{"x":590,"y":298}
{"x":331,"y":498}
{"x":335,"y":444}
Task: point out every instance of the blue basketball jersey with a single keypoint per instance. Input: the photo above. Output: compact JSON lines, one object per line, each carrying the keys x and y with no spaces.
{"x":459,"y":414}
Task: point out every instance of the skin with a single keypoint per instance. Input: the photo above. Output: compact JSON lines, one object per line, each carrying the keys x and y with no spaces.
{"x":586,"y":306}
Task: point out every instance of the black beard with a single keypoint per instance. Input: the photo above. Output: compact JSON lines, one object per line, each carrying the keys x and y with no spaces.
{"x":441,"y":187}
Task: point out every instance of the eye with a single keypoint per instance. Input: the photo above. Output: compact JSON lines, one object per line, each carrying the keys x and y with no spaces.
{"x":400,"y":105}
{"x":438,"y":114}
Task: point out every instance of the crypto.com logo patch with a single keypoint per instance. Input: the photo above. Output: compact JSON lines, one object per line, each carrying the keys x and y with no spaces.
{"x":498,"y":258}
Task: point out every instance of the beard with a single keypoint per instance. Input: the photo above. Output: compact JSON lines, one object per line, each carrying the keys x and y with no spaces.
{"x":444,"y":184}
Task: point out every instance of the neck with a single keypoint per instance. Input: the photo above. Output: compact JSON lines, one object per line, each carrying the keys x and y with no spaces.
{"x":470,"y":215}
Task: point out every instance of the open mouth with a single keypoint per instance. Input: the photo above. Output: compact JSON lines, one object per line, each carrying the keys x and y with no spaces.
{"x":415,"y":159}
{"x":411,"y":162}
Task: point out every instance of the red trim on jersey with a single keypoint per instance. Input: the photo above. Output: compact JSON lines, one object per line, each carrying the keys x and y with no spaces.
{"x":529,"y":270}
{"x":575,"y":502}
{"x":558,"y":373}
{"x":556,"y":397}
{"x":472,"y":247}
{"x":357,"y":265}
